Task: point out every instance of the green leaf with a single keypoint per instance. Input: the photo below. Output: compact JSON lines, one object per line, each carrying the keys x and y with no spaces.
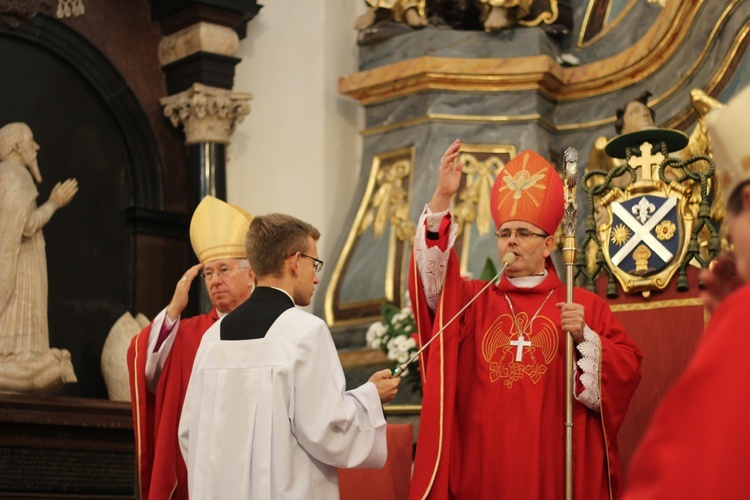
{"x":388,"y":311}
{"x":489,"y":271}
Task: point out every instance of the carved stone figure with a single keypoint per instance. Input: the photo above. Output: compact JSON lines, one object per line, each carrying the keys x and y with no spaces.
{"x":27,"y":364}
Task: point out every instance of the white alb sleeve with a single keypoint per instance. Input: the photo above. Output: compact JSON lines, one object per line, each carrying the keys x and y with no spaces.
{"x":431,"y":261}
{"x":155,"y":360}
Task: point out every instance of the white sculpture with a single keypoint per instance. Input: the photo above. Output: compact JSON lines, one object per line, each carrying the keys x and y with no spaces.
{"x":114,"y":354}
{"x":27,"y":364}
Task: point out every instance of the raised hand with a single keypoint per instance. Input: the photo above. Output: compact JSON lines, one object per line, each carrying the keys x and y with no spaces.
{"x":719,"y":280}
{"x":180,"y":298}
{"x":449,"y":178}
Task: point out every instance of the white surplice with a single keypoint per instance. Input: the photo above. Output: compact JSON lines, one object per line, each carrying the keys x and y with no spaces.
{"x":271,"y":418}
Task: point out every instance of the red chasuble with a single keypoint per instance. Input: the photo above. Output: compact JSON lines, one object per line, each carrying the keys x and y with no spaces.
{"x":493,"y":427}
{"x":697,"y":443}
{"x":156,"y":417}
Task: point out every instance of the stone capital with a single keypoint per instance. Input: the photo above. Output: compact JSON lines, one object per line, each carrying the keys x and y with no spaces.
{"x":208,"y":114}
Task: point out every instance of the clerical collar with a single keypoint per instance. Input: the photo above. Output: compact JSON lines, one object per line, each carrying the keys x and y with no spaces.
{"x":222,"y":314}
{"x":284,"y":292}
{"x":529,"y":281}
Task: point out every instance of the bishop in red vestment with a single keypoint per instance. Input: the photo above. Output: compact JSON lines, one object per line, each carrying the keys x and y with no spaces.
{"x":160,"y":358}
{"x":492,"y":423}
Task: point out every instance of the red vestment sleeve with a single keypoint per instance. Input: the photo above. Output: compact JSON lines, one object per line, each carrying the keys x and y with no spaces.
{"x":161,"y":469}
{"x":438,"y":371}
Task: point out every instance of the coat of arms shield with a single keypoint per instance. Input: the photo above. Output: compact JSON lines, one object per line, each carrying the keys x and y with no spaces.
{"x":646,"y":236}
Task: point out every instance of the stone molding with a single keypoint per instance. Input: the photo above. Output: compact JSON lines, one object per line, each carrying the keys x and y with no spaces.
{"x":207,"y":114}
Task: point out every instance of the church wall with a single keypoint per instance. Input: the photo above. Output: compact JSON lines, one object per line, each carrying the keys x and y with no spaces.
{"x":298,"y":151}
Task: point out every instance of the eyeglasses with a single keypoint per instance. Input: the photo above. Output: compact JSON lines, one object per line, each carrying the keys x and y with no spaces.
{"x":317,"y":263}
{"x":222,"y":272}
{"x":521,"y":233}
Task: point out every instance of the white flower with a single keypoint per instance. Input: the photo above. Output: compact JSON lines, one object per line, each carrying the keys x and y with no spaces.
{"x":374,"y":335}
{"x":394,"y":336}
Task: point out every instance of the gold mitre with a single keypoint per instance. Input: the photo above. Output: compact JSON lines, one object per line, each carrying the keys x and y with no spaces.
{"x":729,"y":143}
{"x":218,"y":230}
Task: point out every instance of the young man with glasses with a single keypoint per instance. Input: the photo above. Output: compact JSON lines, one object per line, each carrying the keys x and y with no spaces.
{"x":161,"y":356}
{"x":493,"y":411}
{"x":267,"y":413}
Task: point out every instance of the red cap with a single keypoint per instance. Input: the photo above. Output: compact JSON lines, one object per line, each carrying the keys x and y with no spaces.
{"x":528,"y":189}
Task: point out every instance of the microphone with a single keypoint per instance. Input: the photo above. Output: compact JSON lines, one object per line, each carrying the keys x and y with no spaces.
{"x":508,"y":259}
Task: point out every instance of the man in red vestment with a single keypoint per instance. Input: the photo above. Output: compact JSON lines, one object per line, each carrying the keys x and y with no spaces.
{"x":697,"y":443}
{"x":492,"y":423}
{"x":160,"y":358}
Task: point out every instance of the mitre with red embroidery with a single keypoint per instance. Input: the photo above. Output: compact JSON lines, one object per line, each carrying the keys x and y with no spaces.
{"x":528,"y":189}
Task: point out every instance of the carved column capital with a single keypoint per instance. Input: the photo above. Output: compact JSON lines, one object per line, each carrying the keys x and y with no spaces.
{"x":208,"y":114}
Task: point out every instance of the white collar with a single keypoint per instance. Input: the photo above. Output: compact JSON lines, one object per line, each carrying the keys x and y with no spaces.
{"x":529,"y":281}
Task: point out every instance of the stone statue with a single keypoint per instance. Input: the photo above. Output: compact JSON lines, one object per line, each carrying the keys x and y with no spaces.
{"x":635,"y":115}
{"x":27,"y":364}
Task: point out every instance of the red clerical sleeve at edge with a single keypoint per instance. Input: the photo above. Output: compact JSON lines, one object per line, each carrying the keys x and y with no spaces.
{"x":697,"y":443}
{"x":162,"y":471}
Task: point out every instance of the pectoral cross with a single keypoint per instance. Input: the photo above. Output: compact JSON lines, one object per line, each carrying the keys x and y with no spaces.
{"x":520,"y":344}
{"x":646,"y":160}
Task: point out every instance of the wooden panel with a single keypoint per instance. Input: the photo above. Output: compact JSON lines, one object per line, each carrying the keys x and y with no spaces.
{"x":667,"y":327}
{"x":66,"y":448}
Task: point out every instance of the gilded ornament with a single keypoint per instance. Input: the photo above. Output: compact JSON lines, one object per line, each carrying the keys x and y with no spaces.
{"x":620,"y":235}
{"x":475,"y":204}
{"x":665,"y":230}
{"x":641,"y":256}
{"x":390,"y":202}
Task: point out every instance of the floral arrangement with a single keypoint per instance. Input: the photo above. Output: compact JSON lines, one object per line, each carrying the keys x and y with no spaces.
{"x":395,"y":335}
